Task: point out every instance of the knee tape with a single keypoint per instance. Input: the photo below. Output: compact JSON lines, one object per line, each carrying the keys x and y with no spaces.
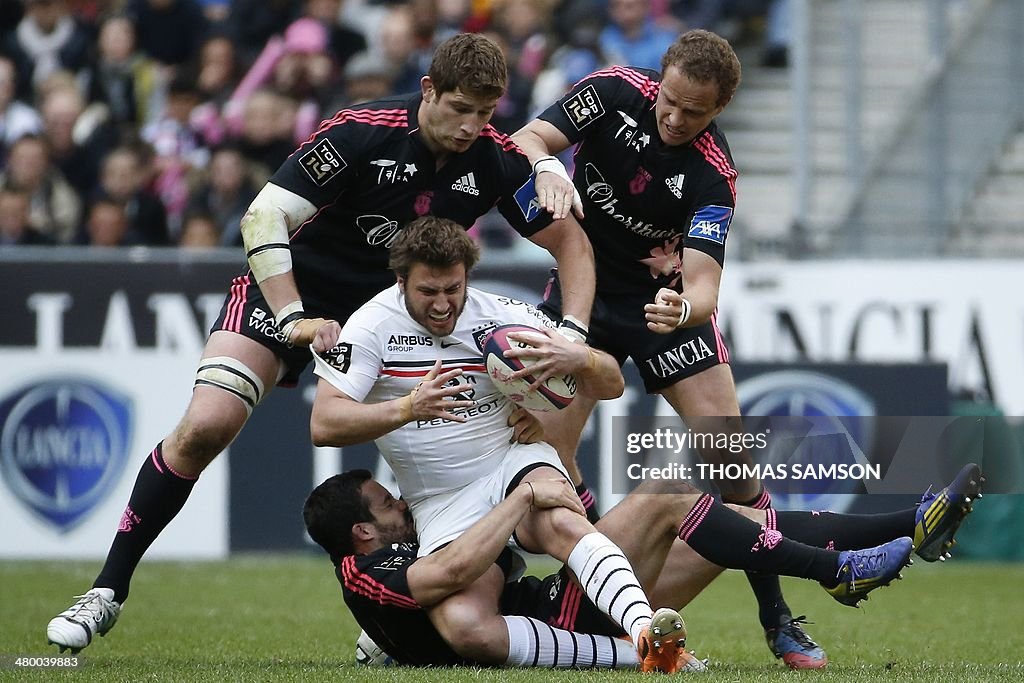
{"x":232,"y":376}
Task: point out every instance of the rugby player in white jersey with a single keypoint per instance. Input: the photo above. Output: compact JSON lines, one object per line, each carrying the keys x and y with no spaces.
{"x":407,"y":372}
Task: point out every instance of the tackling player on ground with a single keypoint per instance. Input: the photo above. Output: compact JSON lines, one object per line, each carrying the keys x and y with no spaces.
{"x":371,"y":541}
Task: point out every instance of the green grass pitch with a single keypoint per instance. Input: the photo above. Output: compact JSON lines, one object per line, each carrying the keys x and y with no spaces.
{"x":281,"y":618}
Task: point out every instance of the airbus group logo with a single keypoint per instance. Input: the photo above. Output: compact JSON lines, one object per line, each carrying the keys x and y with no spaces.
{"x":63,"y":447}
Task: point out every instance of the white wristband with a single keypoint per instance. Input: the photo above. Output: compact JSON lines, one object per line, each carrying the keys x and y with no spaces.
{"x":550,"y":164}
{"x":684,"y":312}
{"x":286,"y":311}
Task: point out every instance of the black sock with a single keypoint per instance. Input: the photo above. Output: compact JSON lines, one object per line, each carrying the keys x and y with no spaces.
{"x":589,"y":502}
{"x":729,"y":539}
{"x":158,"y":496}
{"x":843,"y":532}
{"x":772,"y":609}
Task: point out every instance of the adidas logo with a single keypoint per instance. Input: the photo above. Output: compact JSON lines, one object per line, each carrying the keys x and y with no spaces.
{"x":675,"y":185}
{"x":467,"y":184}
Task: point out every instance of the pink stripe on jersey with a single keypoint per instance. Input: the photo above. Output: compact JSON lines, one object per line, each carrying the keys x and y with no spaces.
{"x":696,"y":516}
{"x":771,"y":521}
{"x":504,"y":140}
{"x":392,"y":118}
{"x":707,"y":146}
{"x":720,"y":347}
{"x":648,"y":87}
{"x":362,"y":584}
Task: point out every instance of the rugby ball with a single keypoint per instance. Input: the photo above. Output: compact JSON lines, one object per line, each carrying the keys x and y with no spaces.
{"x":556,"y":392}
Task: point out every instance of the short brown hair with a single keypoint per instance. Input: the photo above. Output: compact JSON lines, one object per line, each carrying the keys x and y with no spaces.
{"x":433,"y":241}
{"x":471,"y":63}
{"x":705,"y":57}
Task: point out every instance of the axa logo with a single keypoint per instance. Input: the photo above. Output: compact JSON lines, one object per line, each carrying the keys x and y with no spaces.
{"x":63,"y":446}
{"x":467,"y":184}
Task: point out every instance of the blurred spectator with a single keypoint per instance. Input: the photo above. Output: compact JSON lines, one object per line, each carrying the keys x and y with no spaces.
{"x":296,"y":65}
{"x":458,"y":16}
{"x":226,"y":194}
{"x":522,"y":25}
{"x":106,"y":225}
{"x":253,"y":22}
{"x":16,"y":118}
{"x":395,"y":43}
{"x":725,"y":17}
{"x":343,"y":41}
{"x":54,"y":207}
{"x":128,"y":82}
{"x":169,"y":31}
{"x":78,"y":136}
{"x":199,"y":232}
{"x":216,"y":11}
{"x":266,"y":135}
{"x":632,"y":37}
{"x":46,"y":40}
{"x":123,"y":181}
{"x":367,"y":77}
{"x":178,"y":148}
{"x":15,"y":223}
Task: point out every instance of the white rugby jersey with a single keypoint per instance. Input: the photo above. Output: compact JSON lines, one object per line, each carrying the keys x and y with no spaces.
{"x":382,"y":354}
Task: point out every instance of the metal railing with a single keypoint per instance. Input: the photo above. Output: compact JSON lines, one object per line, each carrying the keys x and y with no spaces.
{"x":929,"y":91}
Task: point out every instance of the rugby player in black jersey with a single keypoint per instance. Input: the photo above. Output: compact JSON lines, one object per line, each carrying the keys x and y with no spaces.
{"x":317,"y":238}
{"x":654,"y":186}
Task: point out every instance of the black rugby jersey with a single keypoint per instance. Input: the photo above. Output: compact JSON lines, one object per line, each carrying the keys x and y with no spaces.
{"x":376,"y":590}
{"x":644,"y":201}
{"x":369,"y":172}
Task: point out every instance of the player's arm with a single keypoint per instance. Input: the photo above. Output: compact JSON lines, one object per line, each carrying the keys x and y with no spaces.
{"x":272,"y":217}
{"x":569,"y":245}
{"x":339,"y":420}
{"x":540,"y":141}
{"x":453,"y":568}
{"x":698,"y":301}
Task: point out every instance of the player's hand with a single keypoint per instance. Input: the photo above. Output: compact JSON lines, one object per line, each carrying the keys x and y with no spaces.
{"x":555,"y":189}
{"x":553,"y":355}
{"x":664,"y":314}
{"x":526,"y":428}
{"x":306,"y":330}
{"x":326,"y":336}
{"x":435,"y":396}
{"x":554,"y":493}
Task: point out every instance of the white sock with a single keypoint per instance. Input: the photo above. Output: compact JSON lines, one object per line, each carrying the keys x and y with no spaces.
{"x":608,"y":580}
{"x":534,"y":643}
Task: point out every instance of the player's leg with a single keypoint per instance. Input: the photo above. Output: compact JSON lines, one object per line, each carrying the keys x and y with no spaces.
{"x":562,"y":430}
{"x":604,"y":573}
{"x":233,"y":376}
{"x":707,"y":401}
{"x":932,"y":523}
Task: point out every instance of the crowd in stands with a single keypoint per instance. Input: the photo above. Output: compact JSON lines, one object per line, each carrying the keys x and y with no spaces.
{"x":155,"y":122}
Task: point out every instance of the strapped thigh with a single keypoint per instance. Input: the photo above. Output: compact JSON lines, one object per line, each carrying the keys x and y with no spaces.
{"x":234,"y":377}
